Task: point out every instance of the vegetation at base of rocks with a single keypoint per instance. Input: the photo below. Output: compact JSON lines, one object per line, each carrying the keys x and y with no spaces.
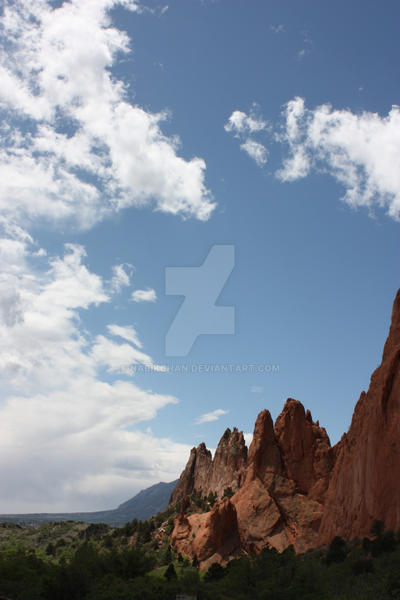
{"x":228,"y":492}
{"x":74,"y":561}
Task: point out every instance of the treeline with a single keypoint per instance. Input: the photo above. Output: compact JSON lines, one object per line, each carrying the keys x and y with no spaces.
{"x":363,"y":570}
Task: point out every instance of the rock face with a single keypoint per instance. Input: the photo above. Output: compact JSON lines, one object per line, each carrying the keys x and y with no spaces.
{"x":195,"y":474}
{"x":211,"y":537}
{"x":279,"y":488}
{"x":206,"y":475}
{"x":229,"y":464}
{"x":293,"y":487}
{"x":365,"y":481}
{"x":306,"y":450}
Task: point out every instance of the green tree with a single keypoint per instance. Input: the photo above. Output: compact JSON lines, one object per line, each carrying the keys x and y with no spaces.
{"x":50,"y":550}
{"x":377,"y":528}
{"x":195,"y":562}
{"x":337,"y":550}
{"x":228,"y":492}
{"x":170,"y":573}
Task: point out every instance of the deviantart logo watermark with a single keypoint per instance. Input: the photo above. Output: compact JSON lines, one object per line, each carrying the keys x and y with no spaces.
{"x":201,"y":287}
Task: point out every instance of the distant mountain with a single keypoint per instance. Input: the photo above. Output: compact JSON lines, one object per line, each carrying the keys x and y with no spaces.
{"x":144,"y":505}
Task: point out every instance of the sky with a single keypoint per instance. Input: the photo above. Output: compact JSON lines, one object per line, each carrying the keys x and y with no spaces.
{"x":199,"y":218}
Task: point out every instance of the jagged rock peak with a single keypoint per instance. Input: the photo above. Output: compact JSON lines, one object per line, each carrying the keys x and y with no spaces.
{"x":195,"y":475}
{"x":305,"y":448}
{"x":393,"y":340}
{"x":264,"y":454}
{"x":229,"y":462}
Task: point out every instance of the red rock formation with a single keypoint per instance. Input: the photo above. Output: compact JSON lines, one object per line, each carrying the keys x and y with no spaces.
{"x":294,"y":488}
{"x":212,"y":536}
{"x":270,"y":507}
{"x":305,"y":448}
{"x":195,"y":474}
{"x":206,"y":475}
{"x":365,"y":483}
{"x":229,"y":463}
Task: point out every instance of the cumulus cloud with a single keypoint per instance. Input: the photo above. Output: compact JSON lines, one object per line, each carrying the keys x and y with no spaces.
{"x":240,"y":123}
{"x":361,"y":151}
{"x":211,"y":416}
{"x":243,"y":126}
{"x":72,"y":145}
{"x":147,"y":295}
{"x":69,"y":433}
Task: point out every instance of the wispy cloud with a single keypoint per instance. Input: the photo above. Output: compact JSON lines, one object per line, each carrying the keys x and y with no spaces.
{"x":121,"y":276}
{"x":307,"y":46}
{"x":211,"y":416}
{"x":244,"y":126}
{"x":256,"y":151}
{"x":147,"y":295}
{"x":126,"y":332}
{"x":277,"y":28}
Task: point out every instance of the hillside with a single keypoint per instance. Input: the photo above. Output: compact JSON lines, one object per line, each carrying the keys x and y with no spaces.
{"x":144,"y":505}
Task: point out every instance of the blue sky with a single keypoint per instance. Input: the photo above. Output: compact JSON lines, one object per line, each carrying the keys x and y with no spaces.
{"x":135,"y":137}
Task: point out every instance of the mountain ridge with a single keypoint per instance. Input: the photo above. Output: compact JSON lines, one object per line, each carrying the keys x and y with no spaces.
{"x":142,"y":506}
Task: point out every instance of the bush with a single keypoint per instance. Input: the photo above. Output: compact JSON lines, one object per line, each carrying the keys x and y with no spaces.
{"x":228,"y":492}
{"x":337,"y":550}
{"x":362,"y":566}
{"x":170,"y":573}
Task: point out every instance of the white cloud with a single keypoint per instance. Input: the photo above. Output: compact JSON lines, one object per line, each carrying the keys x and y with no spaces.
{"x":121,"y":278}
{"x":69,"y":435}
{"x":126,"y":332}
{"x":244,"y":126}
{"x":361,"y":151}
{"x":119,"y":358}
{"x":240,"y":123}
{"x":72,"y":145}
{"x":148,"y":295}
{"x":211,"y":416}
{"x":256,"y":151}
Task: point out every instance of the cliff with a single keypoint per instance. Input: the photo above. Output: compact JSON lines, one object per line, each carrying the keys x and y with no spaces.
{"x":365,"y":482}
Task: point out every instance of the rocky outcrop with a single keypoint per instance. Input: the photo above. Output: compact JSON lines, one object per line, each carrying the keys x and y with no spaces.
{"x":365,"y":482}
{"x":229,"y":463}
{"x":271,"y":505}
{"x":211,"y":537}
{"x":306,"y":450}
{"x":206,"y":475}
{"x":293,"y":487}
{"x":195,"y":474}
